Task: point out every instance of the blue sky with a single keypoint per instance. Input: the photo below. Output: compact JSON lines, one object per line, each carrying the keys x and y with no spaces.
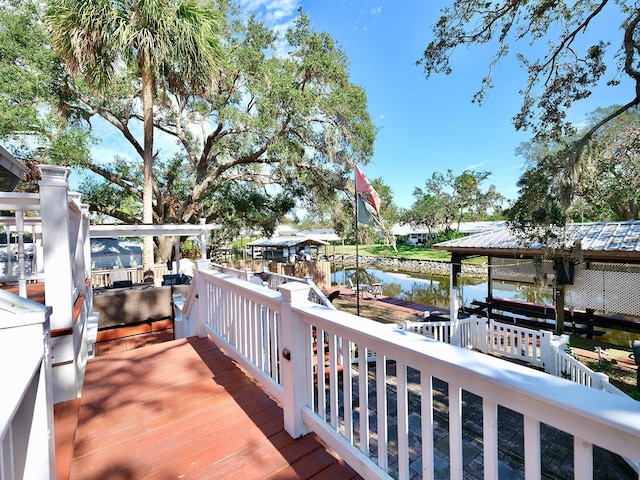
{"x":424,"y":125}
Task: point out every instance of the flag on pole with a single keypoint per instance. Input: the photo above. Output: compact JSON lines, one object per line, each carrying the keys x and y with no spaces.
{"x":368,"y":201}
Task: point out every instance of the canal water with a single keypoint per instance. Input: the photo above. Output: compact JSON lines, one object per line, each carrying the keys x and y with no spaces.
{"x":433,"y":290}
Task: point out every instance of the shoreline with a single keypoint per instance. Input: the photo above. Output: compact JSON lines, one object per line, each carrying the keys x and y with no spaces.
{"x":402,"y":265}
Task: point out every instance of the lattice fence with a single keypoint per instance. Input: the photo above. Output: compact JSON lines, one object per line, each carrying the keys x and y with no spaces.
{"x":605,"y":287}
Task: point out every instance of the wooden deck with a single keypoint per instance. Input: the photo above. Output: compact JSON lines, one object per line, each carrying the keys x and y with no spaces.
{"x":182,"y":409}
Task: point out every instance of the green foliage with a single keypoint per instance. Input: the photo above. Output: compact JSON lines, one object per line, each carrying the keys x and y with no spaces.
{"x":605,"y":365}
{"x":568,"y":71}
{"x":448,"y":198}
{"x":447,"y":235}
{"x":255,"y":136}
{"x":560,"y":76}
{"x":404,"y":251}
{"x":635,"y":395}
{"x":32,"y":118}
{"x":604,"y":188}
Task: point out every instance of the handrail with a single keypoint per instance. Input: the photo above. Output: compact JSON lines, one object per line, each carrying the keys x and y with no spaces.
{"x":516,"y":342}
{"x":275,"y":280}
{"x":26,"y":408}
{"x":306,"y":348}
{"x":254,"y":340}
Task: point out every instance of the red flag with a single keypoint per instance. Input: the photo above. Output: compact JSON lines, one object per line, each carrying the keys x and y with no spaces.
{"x":366,"y":191}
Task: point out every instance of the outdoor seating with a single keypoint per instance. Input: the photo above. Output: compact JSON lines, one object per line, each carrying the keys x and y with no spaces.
{"x":376,"y":290}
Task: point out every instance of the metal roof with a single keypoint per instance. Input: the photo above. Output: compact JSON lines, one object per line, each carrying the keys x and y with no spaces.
{"x":462,"y":227}
{"x":114,"y":246}
{"x":289,"y":241}
{"x":141,"y":230}
{"x":326,"y":234}
{"x":600,"y":240}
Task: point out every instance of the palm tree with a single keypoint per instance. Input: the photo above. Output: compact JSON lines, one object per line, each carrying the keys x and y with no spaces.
{"x":169,"y":44}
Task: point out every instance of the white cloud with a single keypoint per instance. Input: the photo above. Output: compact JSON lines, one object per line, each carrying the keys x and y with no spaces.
{"x":475,"y":165}
{"x":376,"y":10}
{"x":278,"y":15}
{"x":272,"y":12}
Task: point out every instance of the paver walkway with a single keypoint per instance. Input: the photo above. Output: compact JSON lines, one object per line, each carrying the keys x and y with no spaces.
{"x":557,"y":446}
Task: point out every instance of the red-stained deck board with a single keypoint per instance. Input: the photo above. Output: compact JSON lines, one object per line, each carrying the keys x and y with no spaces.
{"x":183,"y":409}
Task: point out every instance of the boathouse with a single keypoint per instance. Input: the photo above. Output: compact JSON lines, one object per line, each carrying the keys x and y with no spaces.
{"x":594,"y":280}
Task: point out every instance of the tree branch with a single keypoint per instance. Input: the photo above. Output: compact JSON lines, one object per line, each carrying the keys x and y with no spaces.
{"x":115,"y":213}
{"x":111,"y":177}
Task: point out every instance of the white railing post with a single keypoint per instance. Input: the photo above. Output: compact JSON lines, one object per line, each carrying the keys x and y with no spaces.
{"x":86,"y":246}
{"x":198,"y":317}
{"x":27,"y":445}
{"x":177,"y":301}
{"x":455,"y":324}
{"x":54,"y":206}
{"x":546,"y":352}
{"x":599,"y":380}
{"x":202,"y":264}
{"x":22,"y":281}
{"x":482,"y":333}
{"x":294,"y":358}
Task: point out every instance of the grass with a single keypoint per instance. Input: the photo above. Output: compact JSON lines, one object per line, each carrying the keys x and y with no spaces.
{"x":404,"y":251}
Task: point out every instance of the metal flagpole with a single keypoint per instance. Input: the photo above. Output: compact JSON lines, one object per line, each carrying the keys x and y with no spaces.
{"x":355,"y":189}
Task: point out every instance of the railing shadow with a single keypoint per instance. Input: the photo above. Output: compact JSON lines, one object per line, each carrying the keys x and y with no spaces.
{"x":304,"y":454}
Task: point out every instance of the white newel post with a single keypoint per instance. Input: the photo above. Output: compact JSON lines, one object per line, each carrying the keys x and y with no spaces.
{"x":22,"y":281}
{"x":202,"y":239}
{"x":482,"y":325}
{"x":86,"y":245}
{"x":546,"y":352}
{"x":197,"y":328}
{"x":54,"y":187}
{"x":294,"y":359}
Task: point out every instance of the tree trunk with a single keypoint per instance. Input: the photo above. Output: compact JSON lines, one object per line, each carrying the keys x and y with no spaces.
{"x":147,"y":186}
{"x":165,"y":248}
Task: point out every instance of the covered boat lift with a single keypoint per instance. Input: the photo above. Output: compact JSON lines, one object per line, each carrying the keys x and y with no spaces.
{"x":287,"y":248}
{"x":596,"y":282}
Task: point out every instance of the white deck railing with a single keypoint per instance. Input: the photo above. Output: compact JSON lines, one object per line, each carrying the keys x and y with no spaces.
{"x":61,"y":258}
{"x":466,"y":333}
{"x":535,"y":347}
{"x":274,"y":280}
{"x":366,"y":411}
{"x":27,"y":448}
{"x":518,"y":342}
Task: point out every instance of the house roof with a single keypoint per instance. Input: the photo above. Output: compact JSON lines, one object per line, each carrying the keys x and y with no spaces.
{"x":618,"y":241}
{"x":463,"y":227}
{"x":326,"y":234}
{"x":288,"y":241}
{"x":114,"y":246}
{"x":120,"y":230}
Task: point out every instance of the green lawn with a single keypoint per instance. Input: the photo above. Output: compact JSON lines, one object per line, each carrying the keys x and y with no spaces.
{"x":404,"y":251}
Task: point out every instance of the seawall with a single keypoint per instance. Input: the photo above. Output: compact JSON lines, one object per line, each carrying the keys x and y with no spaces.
{"x":427,"y":267}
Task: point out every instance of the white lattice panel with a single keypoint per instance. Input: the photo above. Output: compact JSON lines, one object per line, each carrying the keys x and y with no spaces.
{"x":587,"y":290}
{"x":605,"y":290}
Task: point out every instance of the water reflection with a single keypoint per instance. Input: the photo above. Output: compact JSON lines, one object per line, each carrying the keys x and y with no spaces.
{"x":433,"y":290}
